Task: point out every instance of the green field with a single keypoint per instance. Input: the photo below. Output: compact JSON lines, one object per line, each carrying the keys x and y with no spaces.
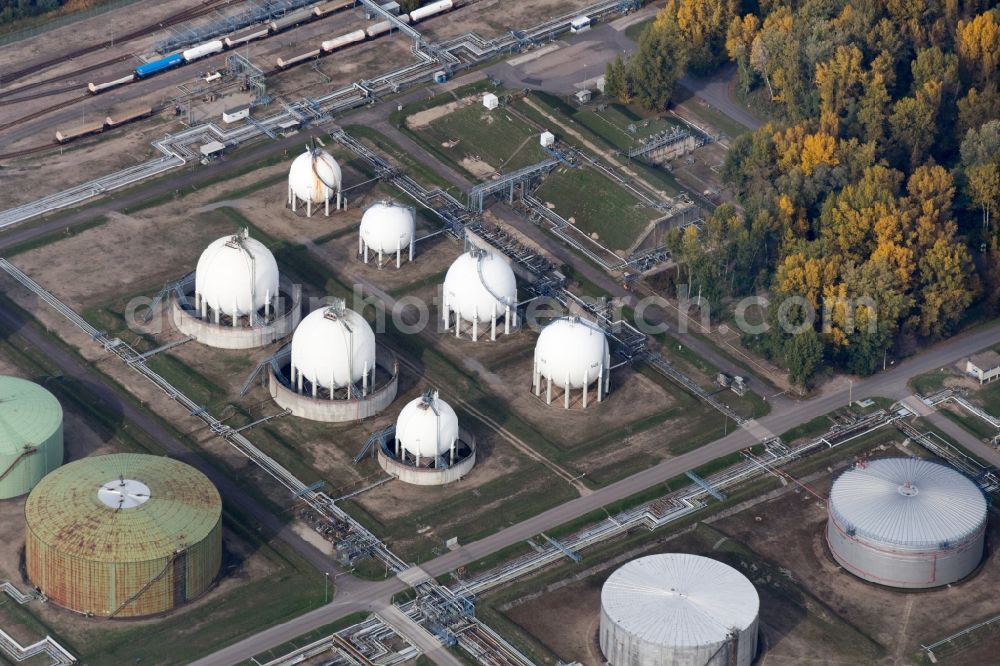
{"x":598,"y":205}
{"x":480,"y":141}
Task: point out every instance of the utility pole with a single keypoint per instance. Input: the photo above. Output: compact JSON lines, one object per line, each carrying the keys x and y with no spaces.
{"x":326,"y":587}
{"x":850,"y":392}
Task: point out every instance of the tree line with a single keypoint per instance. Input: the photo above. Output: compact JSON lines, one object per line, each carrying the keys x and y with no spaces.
{"x":871,"y":195}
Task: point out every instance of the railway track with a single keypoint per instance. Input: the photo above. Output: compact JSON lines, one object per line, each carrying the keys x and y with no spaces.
{"x":205,"y":7}
{"x":37,"y":114}
{"x":61,"y":77}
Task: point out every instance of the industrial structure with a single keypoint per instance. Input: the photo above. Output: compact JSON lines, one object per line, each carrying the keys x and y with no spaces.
{"x":332,"y":370}
{"x":906,"y":522}
{"x":315,"y":179}
{"x":572,"y":353}
{"x":123,"y":535}
{"x":31,"y":435}
{"x":238,"y":299}
{"x":480,"y":288}
{"x":387,"y":229}
{"x":429,"y":447}
{"x":673,"y":609}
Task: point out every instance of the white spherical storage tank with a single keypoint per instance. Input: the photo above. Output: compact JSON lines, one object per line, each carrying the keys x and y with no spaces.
{"x":236,"y":276}
{"x":479,"y":288}
{"x":426,"y":428}
{"x":313,"y":179}
{"x":428,"y":448}
{"x":906,"y":522}
{"x":332,"y":348}
{"x":387,"y":229}
{"x":678,"y":610}
{"x":571,"y":353}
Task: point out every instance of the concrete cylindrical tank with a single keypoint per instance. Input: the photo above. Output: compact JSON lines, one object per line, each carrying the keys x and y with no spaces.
{"x":906,"y":522}
{"x":123,"y":535}
{"x":678,"y":610}
{"x":31,"y":435}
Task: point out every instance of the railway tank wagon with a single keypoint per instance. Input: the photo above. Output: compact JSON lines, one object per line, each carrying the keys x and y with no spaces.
{"x":906,"y":522}
{"x":123,"y":535}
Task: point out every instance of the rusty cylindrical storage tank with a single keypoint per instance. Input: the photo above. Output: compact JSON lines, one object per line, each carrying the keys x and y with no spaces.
{"x":906,"y":522}
{"x":31,"y":435}
{"x":123,"y":535}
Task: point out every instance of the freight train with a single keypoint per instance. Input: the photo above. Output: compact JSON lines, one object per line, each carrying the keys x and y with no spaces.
{"x":261,"y":31}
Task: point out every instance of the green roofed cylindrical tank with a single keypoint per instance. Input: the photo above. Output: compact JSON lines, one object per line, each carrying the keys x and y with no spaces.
{"x":123,"y":535}
{"x":31,"y":435}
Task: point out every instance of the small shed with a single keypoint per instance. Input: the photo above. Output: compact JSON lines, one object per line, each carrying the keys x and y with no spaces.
{"x":547,"y":139}
{"x":579,"y":24}
{"x":491,"y":101}
{"x":583,"y":96}
{"x":212,"y":149}
{"x":984,"y":366}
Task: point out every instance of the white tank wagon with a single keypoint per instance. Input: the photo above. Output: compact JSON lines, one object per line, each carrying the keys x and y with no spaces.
{"x":428,"y":447}
{"x":386,"y":229}
{"x":678,"y":610}
{"x":480,"y":288}
{"x":906,"y":522}
{"x":202,"y":50}
{"x":342,"y":41}
{"x":333,"y":370}
{"x":572,"y":353}
{"x":383,"y":27}
{"x":431,"y":9}
{"x":238,"y":298}
{"x":315,"y":178}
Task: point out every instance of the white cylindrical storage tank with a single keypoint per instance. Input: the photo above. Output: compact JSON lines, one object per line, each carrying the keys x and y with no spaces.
{"x":387,"y":230}
{"x":570,"y":354}
{"x":314,"y":178}
{"x":236,"y":276}
{"x":480,"y":288}
{"x":331,"y":348}
{"x":906,"y":522}
{"x":427,"y":427}
{"x":678,"y":610}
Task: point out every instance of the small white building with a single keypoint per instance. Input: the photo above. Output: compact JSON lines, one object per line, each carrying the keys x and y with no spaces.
{"x":984,"y":366}
{"x":547,"y":139}
{"x":579,"y":24}
{"x":491,"y":101}
{"x":236,"y":113}
{"x":583,"y":96}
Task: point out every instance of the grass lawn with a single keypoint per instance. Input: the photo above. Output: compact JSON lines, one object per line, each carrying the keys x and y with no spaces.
{"x":988,"y":397}
{"x":480,"y":141}
{"x":612,"y":124}
{"x":597,"y":205}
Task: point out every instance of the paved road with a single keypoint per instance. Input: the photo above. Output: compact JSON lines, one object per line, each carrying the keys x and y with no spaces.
{"x":964,"y":438}
{"x":716,"y":91}
{"x":890,"y":384}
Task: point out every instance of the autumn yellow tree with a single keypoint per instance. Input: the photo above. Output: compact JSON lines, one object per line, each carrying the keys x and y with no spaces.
{"x":978,"y":46}
{"x":739,"y":40}
{"x":984,"y":189}
{"x":702,"y":26}
{"x":839,"y":81}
